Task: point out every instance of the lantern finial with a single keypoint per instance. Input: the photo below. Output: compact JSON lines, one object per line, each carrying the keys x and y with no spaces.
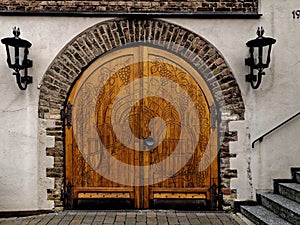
{"x":16,"y":32}
{"x":260,"y":32}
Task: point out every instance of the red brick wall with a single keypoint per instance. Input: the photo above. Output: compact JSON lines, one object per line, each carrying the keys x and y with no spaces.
{"x":130,"y":6}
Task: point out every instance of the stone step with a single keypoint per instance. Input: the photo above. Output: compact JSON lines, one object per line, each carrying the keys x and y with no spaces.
{"x":290,"y":190}
{"x":298,"y":177}
{"x":295,"y":171}
{"x":260,"y":215}
{"x":287,"y":209}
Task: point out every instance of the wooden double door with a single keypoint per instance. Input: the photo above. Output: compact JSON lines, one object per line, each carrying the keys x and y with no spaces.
{"x":142,"y":129}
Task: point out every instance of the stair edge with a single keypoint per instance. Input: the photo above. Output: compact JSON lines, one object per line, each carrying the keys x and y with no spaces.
{"x":286,"y":211}
{"x":258,"y":219}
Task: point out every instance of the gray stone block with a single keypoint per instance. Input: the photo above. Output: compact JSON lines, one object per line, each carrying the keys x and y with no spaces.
{"x":298,"y":177}
{"x":284,"y":207}
{"x":262,"y":216}
{"x":290,"y":190}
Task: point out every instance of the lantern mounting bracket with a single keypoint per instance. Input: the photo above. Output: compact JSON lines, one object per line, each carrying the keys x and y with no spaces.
{"x":260,"y":51}
{"x":20,"y":63}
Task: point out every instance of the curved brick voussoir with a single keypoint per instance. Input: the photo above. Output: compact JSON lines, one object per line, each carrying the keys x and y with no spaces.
{"x":105,"y":36}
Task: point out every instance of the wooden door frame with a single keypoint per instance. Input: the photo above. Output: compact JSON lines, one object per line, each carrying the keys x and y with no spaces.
{"x":144,"y":191}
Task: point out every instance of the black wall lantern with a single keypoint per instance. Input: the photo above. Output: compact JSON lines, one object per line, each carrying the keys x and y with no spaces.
{"x":17,"y":53}
{"x":260,"y":51}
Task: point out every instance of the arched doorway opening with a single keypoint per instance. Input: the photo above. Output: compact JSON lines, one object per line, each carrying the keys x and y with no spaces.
{"x":103,"y":38}
{"x":142,"y":130}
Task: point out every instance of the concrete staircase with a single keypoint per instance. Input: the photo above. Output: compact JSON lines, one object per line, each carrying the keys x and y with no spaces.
{"x":278,"y":207}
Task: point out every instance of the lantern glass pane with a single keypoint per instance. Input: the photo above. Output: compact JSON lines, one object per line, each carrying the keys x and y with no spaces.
{"x":255,"y":56}
{"x":11,"y":54}
{"x":21,"y":55}
{"x":265,"y":55}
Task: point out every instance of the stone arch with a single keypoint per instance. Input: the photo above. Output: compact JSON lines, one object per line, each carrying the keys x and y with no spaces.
{"x":105,"y":36}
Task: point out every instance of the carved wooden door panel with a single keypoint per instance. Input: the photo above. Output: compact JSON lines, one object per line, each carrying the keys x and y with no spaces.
{"x":141,"y":130}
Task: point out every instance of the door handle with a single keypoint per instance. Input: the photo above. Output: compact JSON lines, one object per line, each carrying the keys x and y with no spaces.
{"x":149,"y":142}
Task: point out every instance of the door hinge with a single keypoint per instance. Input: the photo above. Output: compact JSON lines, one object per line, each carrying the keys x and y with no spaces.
{"x":66,"y":196}
{"x":216,"y":197}
{"x":67,"y":114}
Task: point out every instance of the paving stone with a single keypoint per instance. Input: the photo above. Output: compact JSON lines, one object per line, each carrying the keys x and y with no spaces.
{"x":99,"y":218}
{"x":151,"y":221}
{"x":75,"y":222}
{"x":55,"y":221}
{"x":46,"y":219}
{"x":82,"y":212}
{"x":97,"y":223}
{"x":86,"y":222}
{"x":10,"y":222}
{"x":119,"y":223}
{"x":202,"y":214}
{"x":111,"y":214}
{"x":194,"y":221}
{"x":120,"y":218}
{"x":211,"y":215}
{"x":216,"y":222}
{"x":151,"y":214}
{"x":130,"y":220}
{"x":185,"y":223}
{"x":183,"y":220}
{"x":225,"y":220}
{"x":171,"y":214}
{"x":131,"y":214}
{"x":148,"y":217}
{"x":109,"y":220}
{"x":141,"y":218}
{"x":15,"y":221}
{"x":172,"y":220}
{"x":69,"y":216}
{"x":180,"y":214}
{"x":162,"y":222}
{"x":205,"y":220}
{"x":191,"y":215}
{"x":35,"y":220}
{"x":77,"y":219}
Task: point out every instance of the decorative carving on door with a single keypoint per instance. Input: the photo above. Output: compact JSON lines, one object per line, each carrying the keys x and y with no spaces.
{"x":142,"y":129}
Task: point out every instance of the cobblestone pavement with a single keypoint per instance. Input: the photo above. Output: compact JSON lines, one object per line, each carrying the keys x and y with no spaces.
{"x":145,"y":217}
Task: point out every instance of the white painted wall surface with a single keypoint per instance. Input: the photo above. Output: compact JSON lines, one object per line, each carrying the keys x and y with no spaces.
{"x":23,"y":181}
{"x":22,"y":153}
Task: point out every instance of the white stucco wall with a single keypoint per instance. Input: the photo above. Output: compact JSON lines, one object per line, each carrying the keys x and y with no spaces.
{"x":22,"y":152}
{"x":23,"y":164}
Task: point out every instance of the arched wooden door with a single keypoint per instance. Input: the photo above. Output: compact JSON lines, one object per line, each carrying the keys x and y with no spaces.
{"x":142,"y":129}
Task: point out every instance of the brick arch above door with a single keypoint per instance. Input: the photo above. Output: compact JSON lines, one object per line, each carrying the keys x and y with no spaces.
{"x":99,"y":39}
